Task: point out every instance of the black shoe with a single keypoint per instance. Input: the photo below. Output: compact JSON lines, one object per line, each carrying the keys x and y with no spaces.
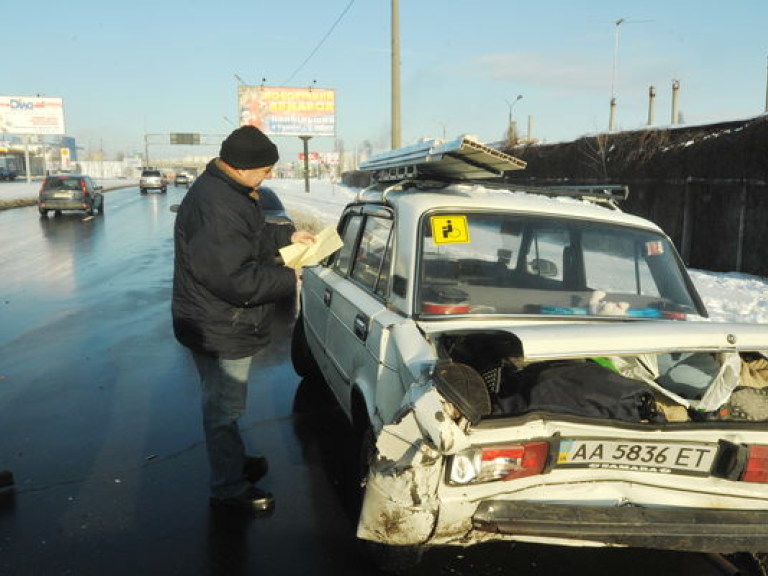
{"x":255,"y":468}
{"x":252,"y":500}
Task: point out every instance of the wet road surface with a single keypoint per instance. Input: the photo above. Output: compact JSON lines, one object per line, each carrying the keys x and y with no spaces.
{"x":100,"y":425}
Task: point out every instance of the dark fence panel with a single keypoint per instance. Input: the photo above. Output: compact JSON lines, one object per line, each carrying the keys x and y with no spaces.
{"x":755,"y":247}
{"x":717,"y":225}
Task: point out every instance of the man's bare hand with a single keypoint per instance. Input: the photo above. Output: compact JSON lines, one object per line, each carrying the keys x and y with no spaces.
{"x":302,"y":237}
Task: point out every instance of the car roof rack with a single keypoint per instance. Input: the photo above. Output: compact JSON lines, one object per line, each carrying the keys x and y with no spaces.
{"x":598,"y":193}
{"x":606,"y":194}
{"x":461,"y":159}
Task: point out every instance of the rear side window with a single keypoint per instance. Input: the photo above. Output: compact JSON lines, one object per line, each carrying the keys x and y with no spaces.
{"x":349,"y":236}
{"x":371,"y":267}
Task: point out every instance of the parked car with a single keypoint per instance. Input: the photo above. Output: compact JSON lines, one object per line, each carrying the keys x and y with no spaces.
{"x":531,"y":365}
{"x":181,"y":179}
{"x":274,"y":210}
{"x":152,"y":180}
{"x":7,"y":174}
{"x":70,"y":192}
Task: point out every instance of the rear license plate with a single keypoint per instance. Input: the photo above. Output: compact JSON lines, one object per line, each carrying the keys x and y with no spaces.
{"x":656,"y":457}
{"x":63,"y":195}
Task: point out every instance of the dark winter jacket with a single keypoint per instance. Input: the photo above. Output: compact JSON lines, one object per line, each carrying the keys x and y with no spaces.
{"x":225,"y":276}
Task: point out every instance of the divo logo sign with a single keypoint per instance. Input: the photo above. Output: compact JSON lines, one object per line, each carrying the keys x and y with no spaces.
{"x":21,"y":105}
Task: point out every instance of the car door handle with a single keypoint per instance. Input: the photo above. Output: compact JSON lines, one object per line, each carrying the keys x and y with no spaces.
{"x":361,"y":327}
{"x":327,"y":296}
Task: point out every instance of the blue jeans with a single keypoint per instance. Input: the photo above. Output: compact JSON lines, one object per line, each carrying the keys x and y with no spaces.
{"x":225,"y":388}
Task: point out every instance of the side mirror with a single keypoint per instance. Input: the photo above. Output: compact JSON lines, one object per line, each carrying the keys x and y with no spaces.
{"x":173,"y":208}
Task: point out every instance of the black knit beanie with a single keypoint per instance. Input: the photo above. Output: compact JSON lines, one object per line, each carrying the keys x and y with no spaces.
{"x":248,"y":147}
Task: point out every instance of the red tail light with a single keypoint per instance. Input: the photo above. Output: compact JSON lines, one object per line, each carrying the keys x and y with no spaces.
{"x":756,"y":469}
{"x":84,"y":187}
{"x":499,"y":463}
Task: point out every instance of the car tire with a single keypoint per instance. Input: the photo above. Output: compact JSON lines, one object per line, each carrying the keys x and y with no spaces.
{"x":142,"y":190}
{"x":303,"y":360}
{"x":386,"y":558}
{"x":163,"y":190}
{"x":101,"y":208}
{"x":43,"y":212}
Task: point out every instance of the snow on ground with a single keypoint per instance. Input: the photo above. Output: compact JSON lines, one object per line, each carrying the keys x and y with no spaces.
{"x":729,"y":296}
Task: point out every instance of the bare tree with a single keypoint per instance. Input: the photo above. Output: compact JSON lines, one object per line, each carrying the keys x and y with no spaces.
{"x":595,"y":150}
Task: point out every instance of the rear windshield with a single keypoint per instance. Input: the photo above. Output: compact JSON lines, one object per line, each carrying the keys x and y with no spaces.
{"x":62,"y":184}
{"x":490,"y":263}
{"x":150,"y":173}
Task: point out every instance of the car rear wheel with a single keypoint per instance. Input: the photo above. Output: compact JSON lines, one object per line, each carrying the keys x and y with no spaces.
{"x":303,"y":361}
{"x":142,"y":190}
{"x":43,"y":212}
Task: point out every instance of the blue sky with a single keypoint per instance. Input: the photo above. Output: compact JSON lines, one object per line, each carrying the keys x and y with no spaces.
{"x":126,"y":69}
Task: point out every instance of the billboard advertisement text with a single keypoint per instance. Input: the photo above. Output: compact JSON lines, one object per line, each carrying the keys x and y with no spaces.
{"x":288,"y":111}
{"x":31,"y":115}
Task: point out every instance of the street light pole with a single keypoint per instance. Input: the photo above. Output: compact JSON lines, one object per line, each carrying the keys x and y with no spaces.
{"x":511,"y":128}
{"x":612,"y":116}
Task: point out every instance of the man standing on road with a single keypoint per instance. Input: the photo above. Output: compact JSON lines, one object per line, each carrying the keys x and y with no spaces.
{"x":224,"y":286}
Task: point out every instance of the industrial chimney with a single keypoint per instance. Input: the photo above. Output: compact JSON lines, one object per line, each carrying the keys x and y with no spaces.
{"x":530,"y":129}
{"x":675,"y":103}
{"x":651,"y":105}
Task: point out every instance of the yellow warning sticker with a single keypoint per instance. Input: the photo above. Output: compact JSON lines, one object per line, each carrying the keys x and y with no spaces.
{"x":450,"y":229}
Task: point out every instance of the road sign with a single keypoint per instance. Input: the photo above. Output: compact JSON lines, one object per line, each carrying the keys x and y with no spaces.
{"x":185,"y":138}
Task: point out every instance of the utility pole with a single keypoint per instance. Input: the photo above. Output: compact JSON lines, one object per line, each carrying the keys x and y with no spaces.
{"x":306,"y":140}
{"x":395,"y":74}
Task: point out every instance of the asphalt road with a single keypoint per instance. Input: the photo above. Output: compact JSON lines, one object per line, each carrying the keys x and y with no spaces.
{"x":100,"y":425}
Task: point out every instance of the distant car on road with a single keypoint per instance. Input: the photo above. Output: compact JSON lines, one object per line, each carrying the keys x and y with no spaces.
{"x":152,"y":180}
{"x":182,"y":179}
{"x":70,"y":192}
{"x":7,"y":174}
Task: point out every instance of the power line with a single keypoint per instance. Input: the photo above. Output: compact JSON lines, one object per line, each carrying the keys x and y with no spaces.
{"x":327,"y":34}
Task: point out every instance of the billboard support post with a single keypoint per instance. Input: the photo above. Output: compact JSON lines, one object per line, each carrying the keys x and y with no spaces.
{"x":26,"y":159}
{"x":306,"y":140}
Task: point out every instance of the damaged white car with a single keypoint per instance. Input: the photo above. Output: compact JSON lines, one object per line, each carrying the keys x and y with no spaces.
{"x":532,"y":367}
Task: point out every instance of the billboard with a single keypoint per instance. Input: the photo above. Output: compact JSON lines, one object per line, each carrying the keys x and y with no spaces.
{"x":331,"y":158}
{"x":31,"y":115}
{"x":288,"y":111}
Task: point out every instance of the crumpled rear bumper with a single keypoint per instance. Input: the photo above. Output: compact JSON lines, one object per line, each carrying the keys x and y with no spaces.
{"x":683,"y":529}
